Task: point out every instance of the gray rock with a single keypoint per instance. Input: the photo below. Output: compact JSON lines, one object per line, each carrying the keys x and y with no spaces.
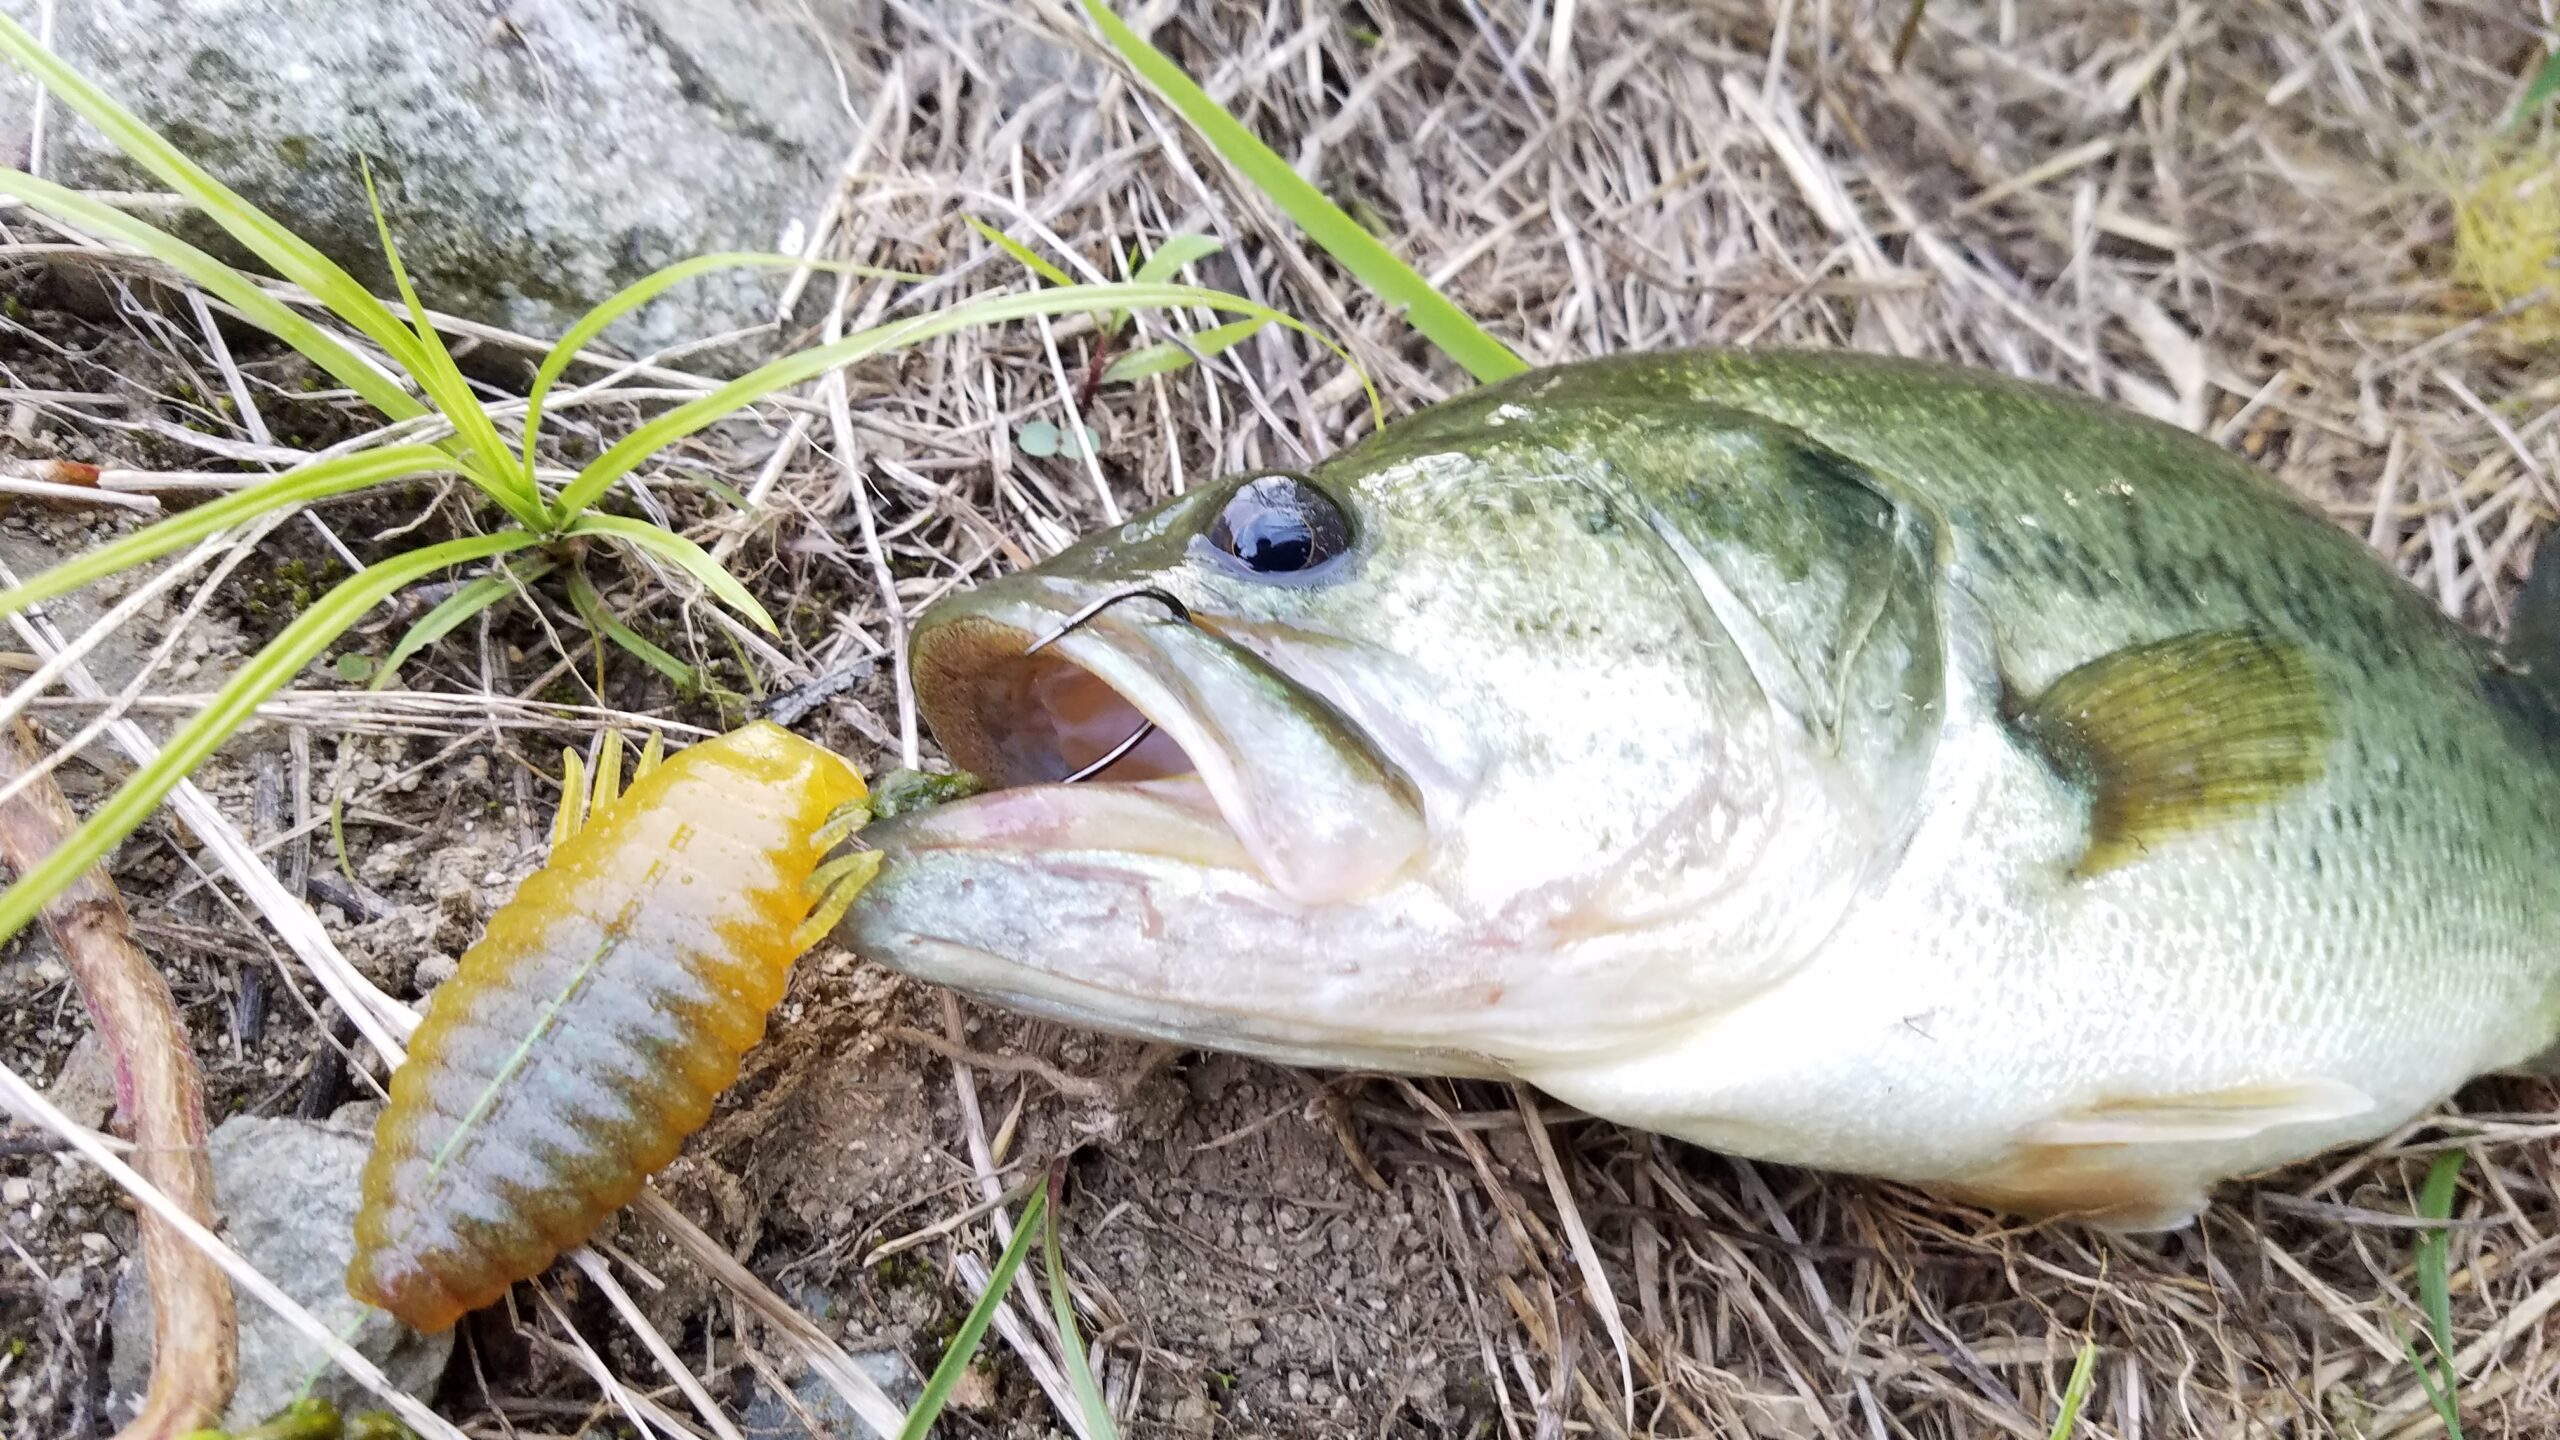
{"x":1042,"y":91}
{"x":535,"y":155}
{"x":286,"y":1192}
{"x":85,"y":1087}
{"x":767,"y":1417}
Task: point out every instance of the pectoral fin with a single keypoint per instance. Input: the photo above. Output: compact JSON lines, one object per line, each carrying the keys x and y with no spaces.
{"x":2125,"y":1165}
{"x":2096,"y":1185}
{"x":2178,"y":735}
{"x":2234,"y":1114}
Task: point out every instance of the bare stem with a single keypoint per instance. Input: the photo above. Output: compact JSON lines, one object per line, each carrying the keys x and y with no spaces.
{"x":194,"y":1329}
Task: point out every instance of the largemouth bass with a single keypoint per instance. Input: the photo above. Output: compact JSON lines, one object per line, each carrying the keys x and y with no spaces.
{"x":1847,"y":762}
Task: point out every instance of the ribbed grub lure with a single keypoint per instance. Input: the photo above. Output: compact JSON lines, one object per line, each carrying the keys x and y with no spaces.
{"x":607,"y":1006}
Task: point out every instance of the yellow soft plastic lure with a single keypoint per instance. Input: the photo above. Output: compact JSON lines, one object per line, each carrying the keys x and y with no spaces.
{"x":609,"y":1003}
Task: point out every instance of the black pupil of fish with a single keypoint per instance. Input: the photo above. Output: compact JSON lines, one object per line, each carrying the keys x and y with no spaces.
{"x":1278,"y":524}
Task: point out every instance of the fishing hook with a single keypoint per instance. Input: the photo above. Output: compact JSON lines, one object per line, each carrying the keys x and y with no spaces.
{"x":1146,"y":727}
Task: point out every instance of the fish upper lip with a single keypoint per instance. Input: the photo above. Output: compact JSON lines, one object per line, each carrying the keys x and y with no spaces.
{"x":1277,"y":783}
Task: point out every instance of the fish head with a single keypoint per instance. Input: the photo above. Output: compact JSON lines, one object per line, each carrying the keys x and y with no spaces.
{"x":1449,"y":766}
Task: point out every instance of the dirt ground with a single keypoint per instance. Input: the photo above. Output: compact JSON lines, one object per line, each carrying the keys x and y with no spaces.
{"x":2239,"y":218}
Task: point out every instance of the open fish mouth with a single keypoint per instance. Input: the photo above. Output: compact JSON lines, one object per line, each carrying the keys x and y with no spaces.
{"x":1245,"y":770}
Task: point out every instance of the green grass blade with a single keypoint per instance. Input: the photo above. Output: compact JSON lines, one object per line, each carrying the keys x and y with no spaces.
{"x":1166,"y":263}
{"x":973,"y":1330}
{"x":1097,"y":1415}
{"x":485,"y":459}
{"x":2075,"y":1393}
{"x":2545,"y":87}
{"x":1360,"y":252}
{"x":2435,"y":1293}
{"x":1167,"y":355}
{"x":2440,"y":1398}
{"x":2435,"y":1284}
{"x":300,"y":485}
{"x":1173,"y":254}
{"x":663,"y":430}
{"x":649,"y":287}
{"x":601,"y":619}
{"x":292,"y":257}
{"x":451,"y":612}
{"x":674,"y":548}
{"x":228,"y":285}
{"x":728,"y":495}
{"x":1029,"y":257}
{"x":266,"y":673}
{"x":1156,"y":359}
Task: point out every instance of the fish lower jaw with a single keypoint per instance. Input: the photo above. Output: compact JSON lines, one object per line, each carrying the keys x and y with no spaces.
{"x":1171,"y":819}
{"x":990,"y":977}
{"x":1177,"y":818}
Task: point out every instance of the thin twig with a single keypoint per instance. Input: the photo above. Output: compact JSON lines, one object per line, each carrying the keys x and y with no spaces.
{"x":1075,"y":1087}
{"x":78,"y":495}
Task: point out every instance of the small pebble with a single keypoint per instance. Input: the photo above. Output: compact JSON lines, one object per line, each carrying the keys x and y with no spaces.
{"x":17,"y":1190}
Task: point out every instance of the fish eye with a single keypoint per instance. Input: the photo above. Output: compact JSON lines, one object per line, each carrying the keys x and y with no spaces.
{"x":1280,"y":524}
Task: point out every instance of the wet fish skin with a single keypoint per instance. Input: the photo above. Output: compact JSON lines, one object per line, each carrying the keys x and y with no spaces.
{"x":1711,"y":679}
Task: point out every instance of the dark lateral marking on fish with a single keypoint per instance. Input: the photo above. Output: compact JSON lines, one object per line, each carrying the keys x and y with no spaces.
{"x":2178,"y":734}
{"x":2527,"y":705}
{"x":2533,"y":634}
{"x":2137,"y":521}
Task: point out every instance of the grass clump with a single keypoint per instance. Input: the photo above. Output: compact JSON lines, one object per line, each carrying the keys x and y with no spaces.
{"x":2506,"y":236}
{"x":441,"y":428}
{"x":2506,"y":212}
